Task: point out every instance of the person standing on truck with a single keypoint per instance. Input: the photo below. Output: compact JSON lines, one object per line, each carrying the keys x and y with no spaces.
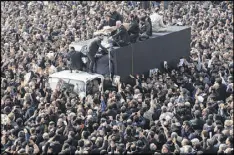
{"x":75,"y":58}
{"x":92,"y":51}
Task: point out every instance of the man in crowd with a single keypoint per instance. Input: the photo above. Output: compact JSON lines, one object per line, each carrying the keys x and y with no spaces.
{"x":133,"y":30}
{"x":115,"y":16}
{"x":145,"y":28}
{"x":121,"y":37}
{"x":76,"y":62}
{"x":93,"y":48}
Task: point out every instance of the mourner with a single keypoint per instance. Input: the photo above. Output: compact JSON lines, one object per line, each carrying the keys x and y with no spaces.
{"x":93,"y":48}
{"x":121,"y":37}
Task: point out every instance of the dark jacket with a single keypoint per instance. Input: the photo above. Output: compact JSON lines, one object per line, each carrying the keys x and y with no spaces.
{"x":197,"y":124}
{"x":211,"y":150}
{"x":146,"y":28}
{"x":42,"y":144}
{"x":221,"y":92}
{"x":133,"y":28}
{"x":105,"y":23}
{"x":115,"y":16}
{"x":94,"y":46}
{"x":122,"y":34}
{"x":97,"y":150}
{"x":76,"y":61}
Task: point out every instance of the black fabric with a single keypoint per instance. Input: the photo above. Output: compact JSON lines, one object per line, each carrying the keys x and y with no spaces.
{"x":146,"y":27}
{"x":102,"y":65}
{"x":133,"y":28}
{"x":115,"y":16}
{"x":143,"y":37}
{"x":92,"y":51}
{"x":76,"y":60}
{"x":133,"y":31}
{"x":151,"y":52}
{"x":91,"y":62}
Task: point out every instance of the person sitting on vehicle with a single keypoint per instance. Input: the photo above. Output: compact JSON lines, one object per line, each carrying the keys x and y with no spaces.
{"x":134,"y":29}
{"x":121,"y":37}
{"x":145,"y":28}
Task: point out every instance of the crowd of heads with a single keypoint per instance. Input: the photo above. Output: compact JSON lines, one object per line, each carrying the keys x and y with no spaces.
{"x":183,"y":110}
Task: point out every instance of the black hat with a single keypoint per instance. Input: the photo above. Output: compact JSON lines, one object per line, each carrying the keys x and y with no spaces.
{"x":7,"y":110}
{"x":139,"y":143}
{"x":19,"y":121}
{"x":125,"y":116}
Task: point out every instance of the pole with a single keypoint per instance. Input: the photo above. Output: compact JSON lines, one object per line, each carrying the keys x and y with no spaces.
{"x":109,"y":61}
{"x":109,"y":54}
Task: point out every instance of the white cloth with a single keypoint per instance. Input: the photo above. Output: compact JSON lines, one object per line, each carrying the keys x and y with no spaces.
{"x":52,"y":69}
{"x":166,"y":115}
{"x":181,"y":62}
{"x":148,"y":114}
{"x":157,"y":23}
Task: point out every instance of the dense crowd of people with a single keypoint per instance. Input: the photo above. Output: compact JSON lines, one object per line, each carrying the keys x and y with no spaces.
{"x":187,"y":110}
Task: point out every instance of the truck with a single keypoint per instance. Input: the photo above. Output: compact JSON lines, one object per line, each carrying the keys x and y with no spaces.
{"x":79,"y":82}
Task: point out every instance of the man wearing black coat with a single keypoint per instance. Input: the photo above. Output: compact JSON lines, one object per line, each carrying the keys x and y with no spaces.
{"x":145,"y":28}
{"x":106,"y":22}
{"x":76,"y":59}
{"x":133,"y":30}
{"x":115,"y":16}
{"x":121,"y":36}
{"x":221,"y":90}
{"x":92,"y":50}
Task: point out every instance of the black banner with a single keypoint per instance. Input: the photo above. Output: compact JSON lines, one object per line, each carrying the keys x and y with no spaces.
{"x":142,"y":56}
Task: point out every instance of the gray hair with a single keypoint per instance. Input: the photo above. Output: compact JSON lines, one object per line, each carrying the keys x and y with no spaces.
{"x":45,"y":136}
{"x":153,"y":147}
{"x":187,"y":149}
{"x":174,"y":135}
{"x":118,"y":22}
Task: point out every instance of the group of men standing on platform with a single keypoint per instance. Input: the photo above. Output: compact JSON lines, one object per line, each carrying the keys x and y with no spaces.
{"x":140,"y":29}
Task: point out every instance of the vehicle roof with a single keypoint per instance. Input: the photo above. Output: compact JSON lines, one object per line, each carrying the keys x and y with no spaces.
{"x":81,"y":76}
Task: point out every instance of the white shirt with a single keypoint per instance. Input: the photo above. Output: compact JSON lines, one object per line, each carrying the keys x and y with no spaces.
{"x":157,"y":21}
